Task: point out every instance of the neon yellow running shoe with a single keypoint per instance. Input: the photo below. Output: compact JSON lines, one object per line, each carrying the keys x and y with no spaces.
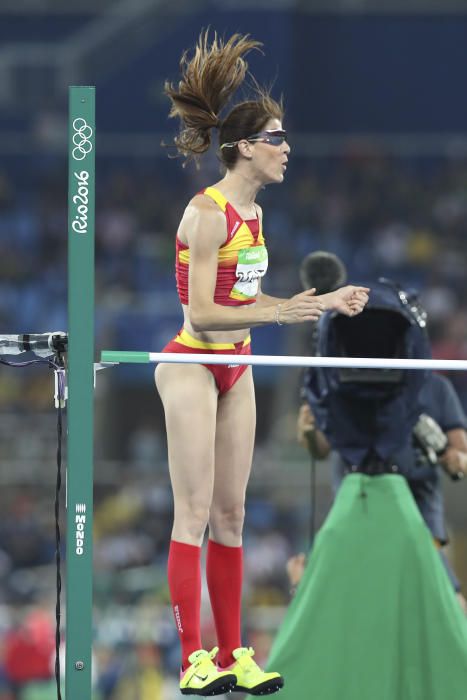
{"x":250,"y":677}
{"x":203,"y":677}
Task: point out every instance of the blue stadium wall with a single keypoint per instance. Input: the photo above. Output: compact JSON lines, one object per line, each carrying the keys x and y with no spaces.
{"x":338,"y":74}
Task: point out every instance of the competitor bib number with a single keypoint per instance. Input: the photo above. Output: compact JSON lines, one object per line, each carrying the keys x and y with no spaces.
{"x":251,"y":266}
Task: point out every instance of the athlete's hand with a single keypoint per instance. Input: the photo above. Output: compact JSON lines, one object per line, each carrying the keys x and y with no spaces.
{"x":348,"y":300}
{"x":302,"y":307}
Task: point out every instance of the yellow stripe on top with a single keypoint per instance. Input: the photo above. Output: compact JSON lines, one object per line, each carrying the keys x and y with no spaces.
{"x":217,"y":196}
{"x":242,"y":238}
{"x":228,"y":253}
{"x":243,"y":234}
{"x":184,"y":338}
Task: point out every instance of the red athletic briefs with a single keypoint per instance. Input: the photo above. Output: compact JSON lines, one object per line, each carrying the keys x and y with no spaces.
{"x":225,"y":375}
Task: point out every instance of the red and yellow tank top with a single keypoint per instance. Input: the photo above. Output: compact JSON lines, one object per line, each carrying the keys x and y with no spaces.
{"x":242,"y":259}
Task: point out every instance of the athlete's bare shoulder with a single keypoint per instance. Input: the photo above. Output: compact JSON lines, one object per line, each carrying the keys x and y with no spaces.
{"x":202,"y":217}
{"x":204,"y":205}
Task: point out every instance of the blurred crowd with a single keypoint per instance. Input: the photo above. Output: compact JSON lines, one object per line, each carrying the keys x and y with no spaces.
{"x":383,"y":215}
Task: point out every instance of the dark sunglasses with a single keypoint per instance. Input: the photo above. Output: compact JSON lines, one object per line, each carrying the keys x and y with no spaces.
{"x":275,"y":137}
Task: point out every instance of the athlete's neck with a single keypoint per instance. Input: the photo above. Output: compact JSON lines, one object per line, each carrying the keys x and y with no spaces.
{"x":240,"y":190}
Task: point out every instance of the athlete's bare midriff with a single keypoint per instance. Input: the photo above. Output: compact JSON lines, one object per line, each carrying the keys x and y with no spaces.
{"x":235,"y":336}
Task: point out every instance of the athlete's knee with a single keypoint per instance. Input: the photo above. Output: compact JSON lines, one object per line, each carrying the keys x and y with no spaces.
{"x":227,"y":520}
{"x":192,"y":518}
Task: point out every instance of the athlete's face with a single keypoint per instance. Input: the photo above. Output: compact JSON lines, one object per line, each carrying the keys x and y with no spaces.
{"x":269,"y":152}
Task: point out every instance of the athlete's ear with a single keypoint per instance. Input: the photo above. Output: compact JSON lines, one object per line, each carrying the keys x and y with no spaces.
{"x":245,"y":149}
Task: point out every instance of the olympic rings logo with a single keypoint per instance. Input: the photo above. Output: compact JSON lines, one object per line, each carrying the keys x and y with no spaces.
{"x":81,"y":139}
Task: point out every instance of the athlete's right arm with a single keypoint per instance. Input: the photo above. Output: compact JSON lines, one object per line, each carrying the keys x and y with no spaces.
{"x":204,"y":229}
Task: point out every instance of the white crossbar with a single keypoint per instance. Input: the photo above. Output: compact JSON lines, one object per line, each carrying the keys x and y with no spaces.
{"x":284,"y":361}
{"x":115,"y":357}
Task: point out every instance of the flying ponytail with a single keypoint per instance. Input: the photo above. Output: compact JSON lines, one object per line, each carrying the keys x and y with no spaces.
{"x":208,"y":81}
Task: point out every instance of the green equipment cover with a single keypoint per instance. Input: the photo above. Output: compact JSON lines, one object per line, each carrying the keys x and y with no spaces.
{"x":375,"y":616}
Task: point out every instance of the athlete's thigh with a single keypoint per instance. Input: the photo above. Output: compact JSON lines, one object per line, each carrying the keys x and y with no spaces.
{"x":189,"y":397}
{"x":235,"y":436}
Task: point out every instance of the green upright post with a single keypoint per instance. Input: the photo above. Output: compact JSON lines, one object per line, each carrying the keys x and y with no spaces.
{"x":79,"y":580}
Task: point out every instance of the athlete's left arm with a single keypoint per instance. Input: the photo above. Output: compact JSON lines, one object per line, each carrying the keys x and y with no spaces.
{"x":454,"y":458}
{"x":349,"y":300}
{"x":266,"y":300}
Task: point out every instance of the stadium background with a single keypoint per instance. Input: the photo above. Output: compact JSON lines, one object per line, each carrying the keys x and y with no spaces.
{"x":376,"y":108}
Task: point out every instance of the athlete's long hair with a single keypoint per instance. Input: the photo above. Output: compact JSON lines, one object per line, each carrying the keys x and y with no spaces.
{"x":208,"y":81}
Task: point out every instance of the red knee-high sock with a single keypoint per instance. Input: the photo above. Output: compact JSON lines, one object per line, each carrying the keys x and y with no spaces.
{"x":184,"y":577}
{"x":224,"y":573}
